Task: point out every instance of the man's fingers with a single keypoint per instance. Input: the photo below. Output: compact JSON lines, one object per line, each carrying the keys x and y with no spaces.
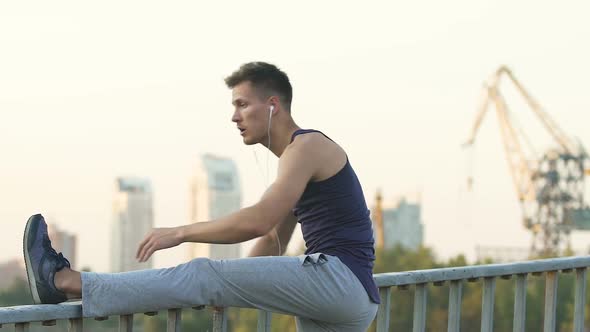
{"x":142,"y":244}
{"x":144,"y":249}
{"x":149,"y":251}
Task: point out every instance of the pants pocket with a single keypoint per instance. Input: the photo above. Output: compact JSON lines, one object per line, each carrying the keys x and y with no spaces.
{"x":313,"y":259}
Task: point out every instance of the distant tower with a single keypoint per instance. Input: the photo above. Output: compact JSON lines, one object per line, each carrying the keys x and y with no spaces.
{"x":63,"y":242}
{"x":402,"y":225}
{"x":215,"y":192}
{"x":378,"y":221}
{"x":133,"y":219}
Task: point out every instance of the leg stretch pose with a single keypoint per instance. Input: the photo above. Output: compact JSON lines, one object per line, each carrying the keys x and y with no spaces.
{"x":329,"y":288}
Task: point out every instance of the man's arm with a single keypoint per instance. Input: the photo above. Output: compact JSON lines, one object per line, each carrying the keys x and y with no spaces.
{"x":250,"y":222}
{"x":267,"y":245}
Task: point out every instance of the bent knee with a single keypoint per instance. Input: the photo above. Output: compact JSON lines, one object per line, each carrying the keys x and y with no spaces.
{"x":200,"y":264}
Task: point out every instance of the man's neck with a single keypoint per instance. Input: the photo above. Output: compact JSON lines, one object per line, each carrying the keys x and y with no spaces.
{"x":280,"y":137}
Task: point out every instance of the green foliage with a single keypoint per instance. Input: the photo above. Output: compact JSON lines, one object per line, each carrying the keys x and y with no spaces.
{"x":18,"y":294}
{"x":399,"y":259}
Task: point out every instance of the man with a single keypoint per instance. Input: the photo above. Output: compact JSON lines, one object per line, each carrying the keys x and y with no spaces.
{"x":330,"y":288}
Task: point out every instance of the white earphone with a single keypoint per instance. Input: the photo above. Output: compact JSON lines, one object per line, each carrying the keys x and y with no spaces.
{"x":270,"y":110}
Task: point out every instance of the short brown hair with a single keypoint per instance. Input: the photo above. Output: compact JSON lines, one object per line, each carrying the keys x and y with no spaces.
{"x":266,"y":77}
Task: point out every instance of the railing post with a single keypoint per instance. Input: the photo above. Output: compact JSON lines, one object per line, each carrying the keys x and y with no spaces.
{"x":580,"y":300}
{"x":487,"y":304}
{"x":519,"y":304}
{"x":550,"y":301}
{"x":21,"y":327}
{"x":174,"y":317}
{"x":126,"y":323}
{"x":264,"y":318}
{"x":454,"y":306}
{"x":384,"y":309}
{"x":76,"y":325}
{"x":420,"y":299}
{"x":219,"y":320}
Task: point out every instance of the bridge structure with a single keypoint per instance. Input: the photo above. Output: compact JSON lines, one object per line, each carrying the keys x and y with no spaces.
{"x":418,"y":281}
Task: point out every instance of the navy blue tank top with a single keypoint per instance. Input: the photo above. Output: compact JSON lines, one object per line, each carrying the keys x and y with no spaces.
{"x":335,"y":220}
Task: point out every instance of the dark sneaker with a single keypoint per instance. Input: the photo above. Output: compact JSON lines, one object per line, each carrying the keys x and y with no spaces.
{"x":42,"y":262}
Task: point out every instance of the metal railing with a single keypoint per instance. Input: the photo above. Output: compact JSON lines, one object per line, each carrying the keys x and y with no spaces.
{"x":22,"y":316}
{"x":488,"y":273}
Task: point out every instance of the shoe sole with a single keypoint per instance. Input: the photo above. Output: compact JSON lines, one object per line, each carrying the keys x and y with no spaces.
{"x":29,"y":267}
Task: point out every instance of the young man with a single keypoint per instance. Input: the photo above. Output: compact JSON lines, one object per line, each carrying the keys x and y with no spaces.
{"x":330,"y":288}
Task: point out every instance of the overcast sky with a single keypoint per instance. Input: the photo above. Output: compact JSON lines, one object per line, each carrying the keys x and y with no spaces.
{"x":92,"y":91}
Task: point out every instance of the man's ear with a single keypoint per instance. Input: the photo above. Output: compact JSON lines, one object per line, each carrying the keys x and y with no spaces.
{"x":274,"y":105}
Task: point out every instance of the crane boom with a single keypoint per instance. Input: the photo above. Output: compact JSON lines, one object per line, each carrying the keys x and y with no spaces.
{"x":559,"y":135}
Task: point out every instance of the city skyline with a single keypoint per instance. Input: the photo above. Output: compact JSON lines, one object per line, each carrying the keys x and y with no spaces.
{"x":215,"y":192}
{"x":133,"y":218}
{"x":63,"y":241}
{"x":82,"y":102}
{"x":402,"y":224}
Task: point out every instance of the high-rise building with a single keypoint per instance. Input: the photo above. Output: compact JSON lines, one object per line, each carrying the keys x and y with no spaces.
{"x":63,"y":242}
{"x":133,"y":219}
{"x":399,"y":224}
{"x":215,"y":192}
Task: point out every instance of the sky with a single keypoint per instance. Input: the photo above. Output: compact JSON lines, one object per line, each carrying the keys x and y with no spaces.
{"x":92,"y":91}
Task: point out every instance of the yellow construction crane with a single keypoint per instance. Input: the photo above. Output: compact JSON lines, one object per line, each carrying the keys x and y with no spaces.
{"x":550,"y":187}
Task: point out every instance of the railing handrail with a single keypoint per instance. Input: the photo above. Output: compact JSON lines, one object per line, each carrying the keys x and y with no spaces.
{"x":480,"y":271}
{"x":73,"y":310}
{"x":40,"y":312}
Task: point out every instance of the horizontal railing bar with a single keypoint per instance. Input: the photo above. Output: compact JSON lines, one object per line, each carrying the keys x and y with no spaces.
{"x":479,"y":271}
{"x":40,"y":312}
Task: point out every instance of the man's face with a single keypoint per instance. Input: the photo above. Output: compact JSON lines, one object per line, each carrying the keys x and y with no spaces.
{"x":250,"y":113}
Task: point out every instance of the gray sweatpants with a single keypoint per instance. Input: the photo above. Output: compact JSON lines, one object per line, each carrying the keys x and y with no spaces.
{"x":318,"y":289}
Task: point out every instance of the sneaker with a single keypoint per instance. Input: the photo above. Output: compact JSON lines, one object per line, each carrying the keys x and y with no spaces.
{"x":42,"y":262}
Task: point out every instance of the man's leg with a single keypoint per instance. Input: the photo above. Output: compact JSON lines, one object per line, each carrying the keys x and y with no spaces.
{"x":70,"y":282}
{"x":361,"y":324}
{"x":325,"y":291}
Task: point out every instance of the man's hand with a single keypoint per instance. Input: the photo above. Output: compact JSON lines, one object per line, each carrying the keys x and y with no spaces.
{"x":158,"y":238}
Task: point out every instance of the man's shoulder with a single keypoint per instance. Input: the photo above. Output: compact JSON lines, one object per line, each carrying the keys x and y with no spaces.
{"x":310,"y":144}
{"x":317,"y":152}
{"x":309,"y":137}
